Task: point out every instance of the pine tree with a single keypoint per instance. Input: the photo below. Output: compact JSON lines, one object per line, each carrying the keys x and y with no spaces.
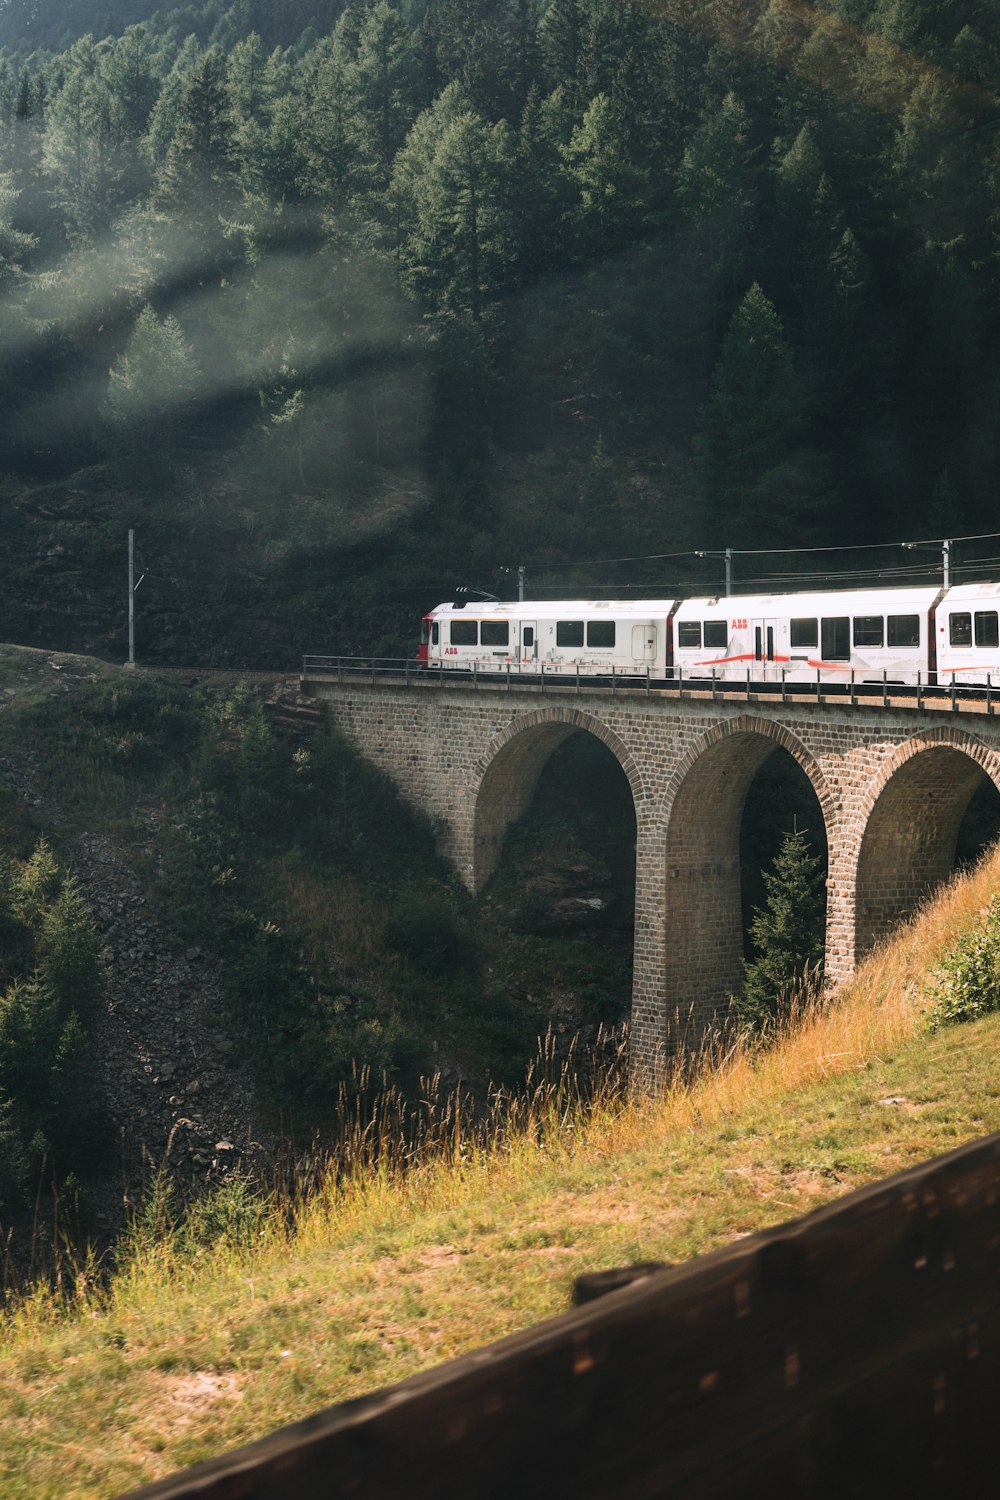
{"x":787,"y":934}
{"x":541,"y":191}
{"x":90,"y":156}
{"x":717,"y":187}
{"x":612,"y":189}
{"x":15,"y":245}
{"x":384,"y":84}
{"x":198,"y":181}
{"x":451,"y":194}
{"x":561,"y":37}
{"x":332,"y":151}
{"x":760,"y":480}
{"x":132,"y":79}
{"x":149,"y":385}
{"x":164,"y":114}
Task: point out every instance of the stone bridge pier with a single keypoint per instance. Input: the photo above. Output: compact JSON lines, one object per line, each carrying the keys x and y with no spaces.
{"x":892,"y":784}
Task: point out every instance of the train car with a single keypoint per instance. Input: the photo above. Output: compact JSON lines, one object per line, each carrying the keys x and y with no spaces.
{"x":603,"y":637}
{"x":968,"y":637}
{"x":924,"y":634}
{"x":875,"y":634}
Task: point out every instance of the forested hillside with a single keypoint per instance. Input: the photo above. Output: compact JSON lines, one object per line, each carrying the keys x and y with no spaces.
{"x":340,"y":307}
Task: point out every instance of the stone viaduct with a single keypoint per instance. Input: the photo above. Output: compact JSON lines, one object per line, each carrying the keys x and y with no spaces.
{"x":893,"y":784}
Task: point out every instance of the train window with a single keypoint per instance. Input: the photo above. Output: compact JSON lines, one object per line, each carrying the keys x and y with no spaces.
{"x":435,"y":633}
{"x":494,"y":633}
{"x":689,"y":633}
{"x":528,"y":636}
{"x":601,"y":633}
{"x":804,"y":633}
{"x":903,"y":630}
{"x":960,"y":630}
{"x":465,"y":632}
{"x":836,"y":634}
{"x":869,"y":630}
{"x":716,"y":634}
{"x":986,"y":628}
{"x":569,"y":632}
{"x":425,"y":633}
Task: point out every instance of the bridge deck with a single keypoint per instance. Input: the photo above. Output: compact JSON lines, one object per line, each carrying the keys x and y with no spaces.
{"x":919,"y":697}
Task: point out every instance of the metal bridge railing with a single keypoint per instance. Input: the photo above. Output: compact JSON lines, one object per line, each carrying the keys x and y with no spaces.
{"x":556,"y":676}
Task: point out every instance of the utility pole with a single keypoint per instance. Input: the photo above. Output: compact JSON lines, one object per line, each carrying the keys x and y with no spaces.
{"x":946,"y":564}
{"x":132,"y":586}
{"x":728,"y":556}
{"x":520,"y":584}
{"x":131,"y":597}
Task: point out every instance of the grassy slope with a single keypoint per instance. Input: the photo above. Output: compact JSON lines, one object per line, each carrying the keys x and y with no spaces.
{"x":188,"y":1355}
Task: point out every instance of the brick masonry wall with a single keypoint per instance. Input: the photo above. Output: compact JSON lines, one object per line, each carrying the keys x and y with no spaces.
{"x":892,"y":785}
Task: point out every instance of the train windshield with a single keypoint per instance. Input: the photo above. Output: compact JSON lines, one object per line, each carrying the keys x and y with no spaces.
{"x":425,"y":632}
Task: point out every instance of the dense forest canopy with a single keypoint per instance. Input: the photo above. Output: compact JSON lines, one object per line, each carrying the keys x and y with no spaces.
{"x":361,"y":300}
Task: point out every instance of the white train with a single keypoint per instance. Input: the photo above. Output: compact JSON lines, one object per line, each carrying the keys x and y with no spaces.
{"x":930,"y":635}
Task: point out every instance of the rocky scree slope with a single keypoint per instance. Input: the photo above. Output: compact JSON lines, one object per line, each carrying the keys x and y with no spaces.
{"x":180,"y":1098}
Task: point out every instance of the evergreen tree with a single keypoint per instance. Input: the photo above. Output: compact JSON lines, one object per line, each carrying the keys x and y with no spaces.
{"x":266,"y":121}
{"x":561,"y":38}
{"x":612,"y":188}
{"x":91,"y":160}
{"x":542,"y":191}
{"x":332,"y":149}
{"x":198,"y":178}
{"x":197,"y":191}
{"x":787,"y":935}
{"x":451,"y":196}
{"x":133,"y":80}
{"x":474,"y":48}
{"x":15,"y":245}
{"x":149,"y":386}
{"x":760,"y":481}
{"x":717,"y":187}
{"x":164,"y":114}
{"x":384,"y":85}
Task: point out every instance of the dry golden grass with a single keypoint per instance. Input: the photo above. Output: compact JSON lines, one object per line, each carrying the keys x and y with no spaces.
{"x":339,"y":922}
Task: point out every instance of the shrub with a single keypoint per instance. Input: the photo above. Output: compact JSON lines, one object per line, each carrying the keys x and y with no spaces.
{"x":423,"y":925}
{"x":967,"y":983}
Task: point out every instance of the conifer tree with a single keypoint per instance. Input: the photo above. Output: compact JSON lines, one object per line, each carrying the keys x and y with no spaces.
{"x":163,"y":116}
{"x":198,"y":180}
{"x":717,"y":186}
{"x":384,"y":85}
{"x":332,"y":152}
{"x":787,"y":934}
{"x":561,"y":38}
{"x":761,"y":479}
{"x":149,"y":385}
{"x":451,"y":193}
{"x":612,"y":188}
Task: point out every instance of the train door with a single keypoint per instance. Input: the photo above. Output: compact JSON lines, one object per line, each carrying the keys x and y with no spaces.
{"x":764,"y":634}
{"x":529,"y":643}
{"x":644,"y":644}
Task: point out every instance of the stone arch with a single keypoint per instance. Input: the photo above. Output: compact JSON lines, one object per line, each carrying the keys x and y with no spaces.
{"x":907,"y":826}
{"x":505,"y":775}
{"x":703,"y":936}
